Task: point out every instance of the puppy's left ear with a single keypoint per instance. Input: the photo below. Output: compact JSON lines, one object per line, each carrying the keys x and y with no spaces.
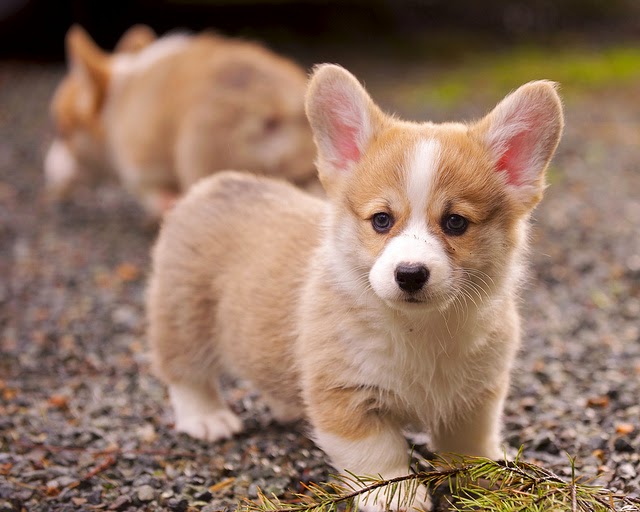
{"x":343,"y":119}
{"x":522,"y":134}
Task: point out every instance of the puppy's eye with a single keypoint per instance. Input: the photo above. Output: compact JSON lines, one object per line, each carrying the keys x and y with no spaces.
{"x":454,"y":224}
{"x":271,"y":124}
{"x":382,"y":222}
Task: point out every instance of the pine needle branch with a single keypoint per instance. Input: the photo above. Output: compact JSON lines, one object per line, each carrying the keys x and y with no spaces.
{"x":474,"y":483}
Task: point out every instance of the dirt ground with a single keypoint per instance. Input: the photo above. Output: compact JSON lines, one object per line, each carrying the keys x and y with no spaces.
{"x":84,"y":426}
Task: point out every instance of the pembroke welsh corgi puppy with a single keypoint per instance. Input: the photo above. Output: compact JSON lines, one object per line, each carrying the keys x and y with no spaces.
{"x":163,"y":113}
{"x":391,"y":304}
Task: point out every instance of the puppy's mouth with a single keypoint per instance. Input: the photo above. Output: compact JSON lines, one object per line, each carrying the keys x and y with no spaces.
{"x":410,"y":302}
{"x":424,"y":300}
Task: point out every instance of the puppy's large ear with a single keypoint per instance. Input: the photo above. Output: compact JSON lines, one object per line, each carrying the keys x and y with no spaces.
{"x":135,"y":39}
{"x":343,"y":119}
{"x":522,"y":133}
{"x":91,"y":64}
{"x":83,"y":54}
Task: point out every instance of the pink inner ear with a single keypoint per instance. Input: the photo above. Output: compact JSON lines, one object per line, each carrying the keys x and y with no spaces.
{"x":343,"y":121}
{"x":517,"y":158}
{"x":344,"y":141}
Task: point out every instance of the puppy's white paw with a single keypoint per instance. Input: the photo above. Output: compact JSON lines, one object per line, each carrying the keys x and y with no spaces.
{"x":283,"y":412}
{"x":61,"y":170}
{"x":212,"y":426}
{"x":379,"y":502}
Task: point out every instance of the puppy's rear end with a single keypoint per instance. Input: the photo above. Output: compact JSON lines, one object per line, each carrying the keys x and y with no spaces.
{"x":204,"y":266}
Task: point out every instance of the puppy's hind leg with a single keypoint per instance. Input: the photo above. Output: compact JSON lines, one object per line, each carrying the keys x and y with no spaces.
{"x":184,"y":357}
{"x":180,"y":316}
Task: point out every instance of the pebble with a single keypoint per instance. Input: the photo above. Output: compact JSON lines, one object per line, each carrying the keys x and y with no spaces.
{"x":622,"y":444}
{"x":178,"y":505}
{"x":204,"y":495}
{"x":259,"y":484}
{"x":216,"y":506}
{"x":6,"y":506}
{"x":121,"y":503}
{"x":546,"y":443}
{"x":146,"y":493}
{"x":626,"y":471}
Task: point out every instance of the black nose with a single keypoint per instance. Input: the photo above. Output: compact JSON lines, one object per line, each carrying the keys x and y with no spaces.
{"x":411,"y":278}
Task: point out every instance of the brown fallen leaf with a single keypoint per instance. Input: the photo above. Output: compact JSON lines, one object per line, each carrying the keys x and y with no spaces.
{"x":624,"y":428}
{"x":127,"y":272}
{"x":599,"y":454}
{"x":58,"y":401}
{"x":52,"y":490}
{"x":5,"y":468}
{"x":9,"y":394}
{"x":598,"y":401}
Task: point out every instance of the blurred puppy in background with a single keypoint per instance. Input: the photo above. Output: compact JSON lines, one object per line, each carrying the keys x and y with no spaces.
{"x":164,"y":112}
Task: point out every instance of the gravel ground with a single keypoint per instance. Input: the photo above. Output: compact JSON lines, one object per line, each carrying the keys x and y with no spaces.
{"x":84,"y":426}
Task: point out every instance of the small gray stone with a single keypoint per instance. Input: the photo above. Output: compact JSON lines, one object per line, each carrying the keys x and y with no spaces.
{"x":6,"y":506}
{"x":623,"y":445}
{"x":258,"y":484}
{"x":121,"y":503}
{"x":178,"y":505}
{"x":146,"y":493}
{"x":215,"y":506}
{"x":626,"y":471}
{"x":167,"y":494}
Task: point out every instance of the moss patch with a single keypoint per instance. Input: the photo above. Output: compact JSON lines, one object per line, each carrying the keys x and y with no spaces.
{"x":577,"y":70}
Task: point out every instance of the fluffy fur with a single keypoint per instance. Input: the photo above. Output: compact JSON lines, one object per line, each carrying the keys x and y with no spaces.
{"x":305,"y":298}
{"x":163,"y":113}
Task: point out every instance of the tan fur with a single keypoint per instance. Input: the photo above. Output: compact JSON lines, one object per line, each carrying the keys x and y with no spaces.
{"x":254,"y":278}
{"x":163,"y":113}
{"x":186,"y":304}
{"x":135,"y":39}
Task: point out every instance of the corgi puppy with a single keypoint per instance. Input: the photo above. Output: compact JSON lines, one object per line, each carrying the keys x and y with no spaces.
{"x":390,"y":304}
{"x":163,"y":113}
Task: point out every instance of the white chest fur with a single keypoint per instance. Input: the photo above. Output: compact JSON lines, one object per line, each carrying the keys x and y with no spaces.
{"x":425,"y":365}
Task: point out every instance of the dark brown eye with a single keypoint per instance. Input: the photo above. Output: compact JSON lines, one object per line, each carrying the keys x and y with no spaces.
{"x":382,"y":222}
{"x":271,"y":124}
{"x":454,"y":225}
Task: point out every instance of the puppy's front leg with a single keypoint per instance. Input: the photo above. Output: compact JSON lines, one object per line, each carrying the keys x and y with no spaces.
{"x":475,"y":430}
{"x":61,"y":170}
{"x":359,"y":439}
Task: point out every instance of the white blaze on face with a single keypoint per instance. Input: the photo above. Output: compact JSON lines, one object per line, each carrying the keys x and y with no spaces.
{"x":415,"y":245}
{"x":60,"y":168}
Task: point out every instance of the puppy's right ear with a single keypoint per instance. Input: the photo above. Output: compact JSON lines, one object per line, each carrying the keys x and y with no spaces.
{"x":135,"y":39}
{"x":90,"y":64}
{"x":343,"y":119}
{"x":84,"y":56}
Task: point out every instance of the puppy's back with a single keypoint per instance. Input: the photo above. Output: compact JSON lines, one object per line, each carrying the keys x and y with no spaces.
{"x":214,"y":258}
{"x":206,"y":104}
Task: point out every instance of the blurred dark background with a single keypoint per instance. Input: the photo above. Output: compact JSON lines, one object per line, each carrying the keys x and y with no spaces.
{"x":35,"y":28}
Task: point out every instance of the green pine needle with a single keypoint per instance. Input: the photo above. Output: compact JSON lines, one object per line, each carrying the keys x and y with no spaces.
{"x":474,"y":483}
